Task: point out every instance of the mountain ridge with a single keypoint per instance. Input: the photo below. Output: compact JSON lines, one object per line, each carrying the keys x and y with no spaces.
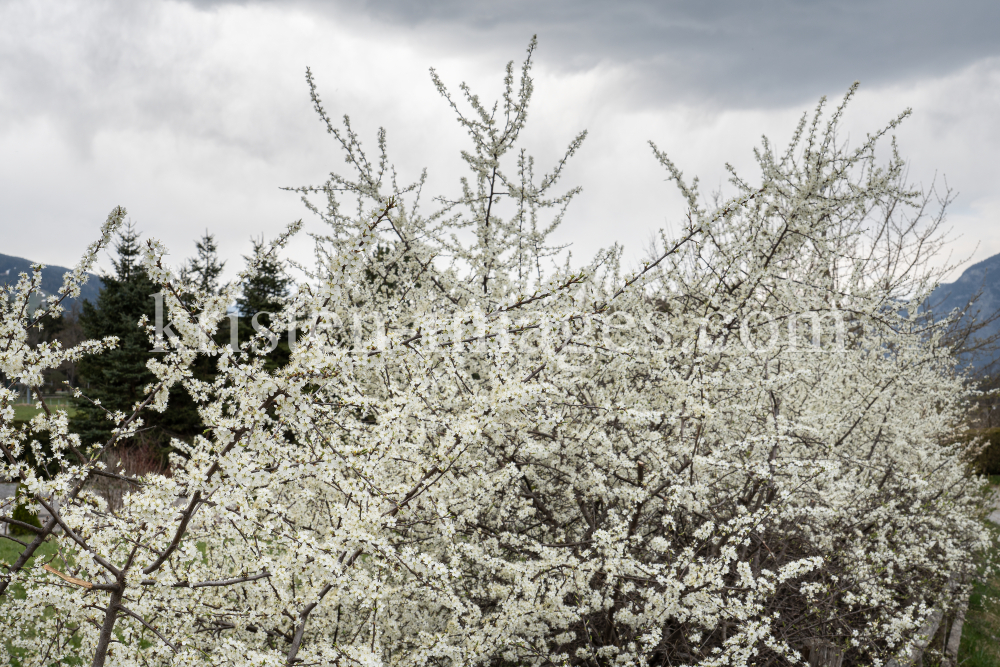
{"x":985,"y":276}
{"x":52,"y":277}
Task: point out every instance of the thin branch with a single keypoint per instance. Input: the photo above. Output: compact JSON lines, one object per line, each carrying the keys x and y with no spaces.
{"x":148,"y":626}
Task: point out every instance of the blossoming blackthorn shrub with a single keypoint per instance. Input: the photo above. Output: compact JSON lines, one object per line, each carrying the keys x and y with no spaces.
{"x":476,"y":455}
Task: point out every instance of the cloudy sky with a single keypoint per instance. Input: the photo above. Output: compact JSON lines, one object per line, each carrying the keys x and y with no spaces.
{"x":192,"y":115}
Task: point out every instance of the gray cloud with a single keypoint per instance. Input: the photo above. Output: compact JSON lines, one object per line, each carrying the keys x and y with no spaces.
{"x":88,"y":68}
{"x":193,"y":114}
{"x":763,"y":53}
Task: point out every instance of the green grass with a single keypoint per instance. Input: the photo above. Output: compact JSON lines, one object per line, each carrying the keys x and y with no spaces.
{"x":981,"y":632}
{"x":11,"y":551}
{"x":24,"y":412}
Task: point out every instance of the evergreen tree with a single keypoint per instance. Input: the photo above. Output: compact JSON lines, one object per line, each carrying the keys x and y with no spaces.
{"x":205,"y":269}
{"x":263,"y":294}
{"x":117,"y":378}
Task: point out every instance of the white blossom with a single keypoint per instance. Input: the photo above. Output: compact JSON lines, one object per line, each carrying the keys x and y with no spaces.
{"x":477,"y":456}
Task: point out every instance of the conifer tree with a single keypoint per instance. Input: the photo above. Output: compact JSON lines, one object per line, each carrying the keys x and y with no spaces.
{"x":266,"y":290}
{"x":204,"y":269}
{"x":202,"y":272}
{"x":117,"y":379}
{"x":262,"y":297}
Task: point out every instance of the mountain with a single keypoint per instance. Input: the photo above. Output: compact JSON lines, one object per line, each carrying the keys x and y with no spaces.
{"x":984,"y":276}
{"x":52,"y":278}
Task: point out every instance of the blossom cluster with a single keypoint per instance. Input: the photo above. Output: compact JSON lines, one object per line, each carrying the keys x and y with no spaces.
{"x":476,"y":455}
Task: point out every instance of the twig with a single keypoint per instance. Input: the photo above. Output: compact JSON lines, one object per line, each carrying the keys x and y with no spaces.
{"x":148,"y":626}
{"x":66,"y":577}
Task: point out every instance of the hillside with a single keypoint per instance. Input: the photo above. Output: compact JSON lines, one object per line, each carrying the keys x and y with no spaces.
{"x":52,"y":278}
{"x":984,"y":276}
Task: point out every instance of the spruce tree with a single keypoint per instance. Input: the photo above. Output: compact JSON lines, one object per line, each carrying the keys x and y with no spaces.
{"x":263,"y":294}
{"x":205,"y":269}
{"x":117,"y":378}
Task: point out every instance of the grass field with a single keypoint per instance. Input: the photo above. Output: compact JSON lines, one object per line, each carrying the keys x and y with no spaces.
{"x":9,"y":551}
{"x":981,"y":632}
{"x":24,"y":412}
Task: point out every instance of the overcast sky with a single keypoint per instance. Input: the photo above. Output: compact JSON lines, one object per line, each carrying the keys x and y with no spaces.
{"x":192,"y":115}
